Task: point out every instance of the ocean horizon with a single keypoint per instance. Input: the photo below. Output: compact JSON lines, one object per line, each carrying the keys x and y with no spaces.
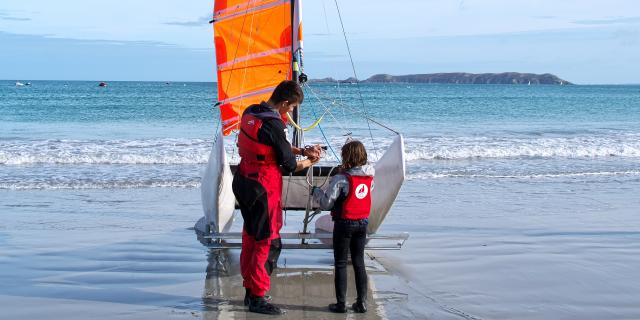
{"x":12,"y":81}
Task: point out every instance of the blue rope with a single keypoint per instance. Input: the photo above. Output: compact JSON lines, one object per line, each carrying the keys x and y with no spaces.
{"x":325,"y":137}
{"x":329,"y":144}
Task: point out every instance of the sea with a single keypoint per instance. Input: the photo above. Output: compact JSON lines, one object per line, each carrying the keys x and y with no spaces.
{"x":521,"y":201}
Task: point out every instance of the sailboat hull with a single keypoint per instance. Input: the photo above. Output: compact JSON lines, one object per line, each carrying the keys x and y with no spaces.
{"x":218,"y":201}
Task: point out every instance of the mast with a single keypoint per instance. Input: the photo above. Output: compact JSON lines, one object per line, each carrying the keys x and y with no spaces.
{"x":300,"y":78}
{"x":296,"y":62}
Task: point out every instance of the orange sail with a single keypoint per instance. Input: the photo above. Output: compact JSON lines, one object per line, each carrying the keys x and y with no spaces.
{"x":253,"y":43}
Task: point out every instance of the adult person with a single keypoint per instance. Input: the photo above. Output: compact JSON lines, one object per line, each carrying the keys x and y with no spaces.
{"x":265,"y":155}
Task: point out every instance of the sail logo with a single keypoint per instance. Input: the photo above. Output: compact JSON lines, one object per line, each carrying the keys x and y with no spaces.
{"x":361,"y":191}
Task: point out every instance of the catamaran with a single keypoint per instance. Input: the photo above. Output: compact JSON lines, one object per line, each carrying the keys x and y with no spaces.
{"x":258,"y":44}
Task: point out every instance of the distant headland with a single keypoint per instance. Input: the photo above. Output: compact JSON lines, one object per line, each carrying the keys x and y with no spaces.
{"x":460,"y":78}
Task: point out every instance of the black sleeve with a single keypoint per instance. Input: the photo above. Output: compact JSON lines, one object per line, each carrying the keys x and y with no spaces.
{"x":272,"y":133}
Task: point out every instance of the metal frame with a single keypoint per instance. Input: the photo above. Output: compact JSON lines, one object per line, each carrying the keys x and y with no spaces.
{"x":374,"y":241}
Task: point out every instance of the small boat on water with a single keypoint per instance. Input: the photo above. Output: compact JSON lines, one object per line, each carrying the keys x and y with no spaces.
{"x":102,"y":84}
{"x":20,"y":84}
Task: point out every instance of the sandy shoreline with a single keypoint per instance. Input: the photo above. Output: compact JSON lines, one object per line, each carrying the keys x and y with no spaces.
{"x":129,"y":254}
{"x":123,"y":280}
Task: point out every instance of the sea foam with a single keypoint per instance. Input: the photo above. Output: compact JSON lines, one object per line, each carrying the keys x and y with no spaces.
{"x":196,"y":151}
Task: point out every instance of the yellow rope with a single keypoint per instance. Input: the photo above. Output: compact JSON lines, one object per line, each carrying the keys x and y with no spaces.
{"x":313,"y":125}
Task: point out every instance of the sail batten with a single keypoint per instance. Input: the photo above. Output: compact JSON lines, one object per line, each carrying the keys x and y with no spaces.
{"x":256,"y":55}
{"x":248,"y":7}
{"x":247,"y":95}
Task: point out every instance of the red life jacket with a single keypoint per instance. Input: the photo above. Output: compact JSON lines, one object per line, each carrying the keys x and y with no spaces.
{"x":357,"y":203}
{"x":249,"y":147}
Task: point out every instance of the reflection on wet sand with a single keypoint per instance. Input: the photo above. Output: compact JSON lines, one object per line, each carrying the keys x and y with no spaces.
{"x":304,"y":292}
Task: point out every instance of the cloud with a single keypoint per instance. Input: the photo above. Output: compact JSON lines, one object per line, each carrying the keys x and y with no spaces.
{"x":202,"y":21}
{"x":609,"y":21}
{"x":5,"y":16}
{"x":544,"y":17}
{"x":627,"y":38}
{"x":319,"y":34}
{"x":15,"y":19}
{"x":324,"y":55}
{"x":49,"y":57}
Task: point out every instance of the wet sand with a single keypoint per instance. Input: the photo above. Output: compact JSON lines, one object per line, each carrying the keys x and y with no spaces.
{"x":130,"y":254}
{"x":138,"y":258}
{"x":155,"y":278}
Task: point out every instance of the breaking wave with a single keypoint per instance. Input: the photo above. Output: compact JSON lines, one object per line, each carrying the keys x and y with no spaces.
{"x":440,"y":175}
{"x":457,"y":148}
{"x":155,"y":151}
{"x":196,"y":151}
{"x":54,"y":185}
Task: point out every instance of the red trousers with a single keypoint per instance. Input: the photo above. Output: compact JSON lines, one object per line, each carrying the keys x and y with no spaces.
{"x":255,"y":253}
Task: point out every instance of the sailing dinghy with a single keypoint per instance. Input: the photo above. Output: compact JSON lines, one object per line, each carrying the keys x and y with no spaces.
{"x":259,"y":44}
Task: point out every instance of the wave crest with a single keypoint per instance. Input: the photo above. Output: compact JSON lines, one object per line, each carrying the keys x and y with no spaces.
{"x":196,"y":151}
{"x":459,"y":148}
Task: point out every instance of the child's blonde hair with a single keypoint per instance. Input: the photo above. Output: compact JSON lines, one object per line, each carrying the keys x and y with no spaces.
{"x":353,"y":155}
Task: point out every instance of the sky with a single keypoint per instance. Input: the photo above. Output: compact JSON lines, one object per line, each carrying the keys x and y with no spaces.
{"x":582,"y":41}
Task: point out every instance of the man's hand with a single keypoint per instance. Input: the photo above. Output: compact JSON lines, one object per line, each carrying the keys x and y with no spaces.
{"x":313,"y":153}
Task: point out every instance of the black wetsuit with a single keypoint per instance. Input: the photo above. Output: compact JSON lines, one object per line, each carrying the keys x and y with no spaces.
{"x":273,"y":133}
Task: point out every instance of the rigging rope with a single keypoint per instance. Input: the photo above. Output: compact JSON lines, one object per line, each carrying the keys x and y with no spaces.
{"x":297,"y":126}
{"x":364,"y":115}
{"x":217,"y":128}
{"x":353,"y":112}
{"x":235,"y":54}
{"x":320,"y":127}
{"x":327,"y":139}
{"x":328,"y":110}
{"x":355,"y":75}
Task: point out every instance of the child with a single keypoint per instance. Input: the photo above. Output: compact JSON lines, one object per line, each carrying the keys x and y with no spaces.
{"x":349,"y":199}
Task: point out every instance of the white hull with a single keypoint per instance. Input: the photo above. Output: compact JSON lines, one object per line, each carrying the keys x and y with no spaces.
{"x":218,"y":201}
{"x":390,"y":173}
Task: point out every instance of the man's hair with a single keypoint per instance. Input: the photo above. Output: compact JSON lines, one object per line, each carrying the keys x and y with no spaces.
{"x":287,"y":91}
{"x":353,"y":154}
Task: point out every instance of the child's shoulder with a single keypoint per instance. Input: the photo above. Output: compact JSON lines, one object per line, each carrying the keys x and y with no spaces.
{"x":365,"y":170}
{"x":340,"y":175}
{"x":368,"y":170}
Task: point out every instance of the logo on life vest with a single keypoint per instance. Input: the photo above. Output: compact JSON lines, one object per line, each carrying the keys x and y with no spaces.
{"x":251,"y":122}
{"x":361,"y":191}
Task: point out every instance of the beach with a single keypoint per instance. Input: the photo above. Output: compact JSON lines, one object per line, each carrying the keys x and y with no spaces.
{"x":122,"y":266}
{"x":520,"y":201}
